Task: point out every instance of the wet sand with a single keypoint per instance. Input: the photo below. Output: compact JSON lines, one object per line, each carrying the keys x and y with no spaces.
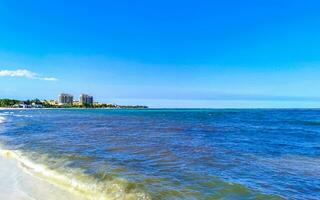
{"x":17,"y":184}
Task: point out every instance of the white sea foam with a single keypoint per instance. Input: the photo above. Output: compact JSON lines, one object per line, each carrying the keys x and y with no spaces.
{"x":16,"y":184}
{"x":19,"y":115}
{"x":76,"y":182}
{"x":2,"y":119}
{"x":13,"y":114}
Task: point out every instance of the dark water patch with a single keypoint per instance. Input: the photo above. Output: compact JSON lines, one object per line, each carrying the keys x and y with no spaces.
{"x":309,"y":123}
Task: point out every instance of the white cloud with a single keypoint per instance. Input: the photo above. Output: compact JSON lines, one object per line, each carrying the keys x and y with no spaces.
{"x":25,"y":73}
{"x":49,"y":79}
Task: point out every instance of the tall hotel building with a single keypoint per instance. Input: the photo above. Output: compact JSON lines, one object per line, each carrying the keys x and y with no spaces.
{"x":65,"y":99}
{"x":86,"y":99}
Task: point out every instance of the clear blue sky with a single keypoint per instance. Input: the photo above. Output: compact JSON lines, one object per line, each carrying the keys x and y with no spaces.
{"x":163,"y":53}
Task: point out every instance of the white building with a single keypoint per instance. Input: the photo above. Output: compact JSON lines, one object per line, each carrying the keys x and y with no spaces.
{"x":86,"y":99}
{"x":65,"y":99}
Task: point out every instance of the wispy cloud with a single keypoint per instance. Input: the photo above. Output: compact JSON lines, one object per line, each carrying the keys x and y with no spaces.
{"x":25,"y":73}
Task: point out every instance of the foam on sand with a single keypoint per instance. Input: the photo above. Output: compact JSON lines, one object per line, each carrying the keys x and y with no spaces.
{"x":22,"y":178}
{"x":37,"y":181}
{"x":15,"y":184}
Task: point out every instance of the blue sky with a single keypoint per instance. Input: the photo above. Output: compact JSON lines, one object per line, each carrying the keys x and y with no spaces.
{"x":163,"y":53}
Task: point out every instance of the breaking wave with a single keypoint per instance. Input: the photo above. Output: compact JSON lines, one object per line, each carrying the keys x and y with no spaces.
{"x":75,"y":181}
{"x":2,"y":119}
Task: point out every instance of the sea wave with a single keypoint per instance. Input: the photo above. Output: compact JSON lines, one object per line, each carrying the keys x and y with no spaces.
{"x":78,"y":182}
{"x":2,"y":119}
{"x":19,"y":115}
{"x":113,"y":188}
{"x":14,"y":114}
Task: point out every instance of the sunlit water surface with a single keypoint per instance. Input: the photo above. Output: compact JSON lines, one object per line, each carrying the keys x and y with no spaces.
{"x":170,"y":154}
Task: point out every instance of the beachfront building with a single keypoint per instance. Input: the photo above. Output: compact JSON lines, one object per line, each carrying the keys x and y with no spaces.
{"x":76,"y":103}
{"x":86,"y":99}
{"x":65,"y":99}
{"x":21,"y":105}
{"x":97,"y":103}
{"x":52,"y":102}
{"x":35,"y":105}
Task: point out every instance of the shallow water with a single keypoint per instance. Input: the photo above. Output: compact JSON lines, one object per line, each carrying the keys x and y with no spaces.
{"x":170,"y":154}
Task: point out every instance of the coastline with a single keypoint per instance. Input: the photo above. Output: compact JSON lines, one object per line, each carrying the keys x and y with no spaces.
{"x":23,"y":179}
{"x":17,"y":183}
{"x":51,"y":169}
{"x":72,"y":108}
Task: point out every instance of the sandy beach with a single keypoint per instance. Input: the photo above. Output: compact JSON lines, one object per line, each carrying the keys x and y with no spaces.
{"x":18,"y":184}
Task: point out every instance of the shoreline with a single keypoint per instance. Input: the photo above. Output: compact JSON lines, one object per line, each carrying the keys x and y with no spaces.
{"x":18,"y":183}
{"x":155,"y":108}
{"x":30,"y":160}
{"x":22,"y":179}
{"x":107,"y":108}
{"x":75,"y":108}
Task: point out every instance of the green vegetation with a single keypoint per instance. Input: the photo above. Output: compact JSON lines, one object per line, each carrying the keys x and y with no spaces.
{"x":12,"y":103}
{"x":8,"y":102}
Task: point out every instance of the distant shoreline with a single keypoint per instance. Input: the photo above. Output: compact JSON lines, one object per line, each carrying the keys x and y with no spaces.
{"x":148,"y":108}
{"x":36,"y":103}
{"x":71,"y":108}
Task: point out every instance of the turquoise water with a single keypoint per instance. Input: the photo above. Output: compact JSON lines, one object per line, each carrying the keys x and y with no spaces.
{"x":171,"y":154}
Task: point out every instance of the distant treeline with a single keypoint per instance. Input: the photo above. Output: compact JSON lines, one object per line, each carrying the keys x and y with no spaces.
{"x":10,"y":103}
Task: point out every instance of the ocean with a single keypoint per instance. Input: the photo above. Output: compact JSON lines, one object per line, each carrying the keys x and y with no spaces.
{"x":165,"y":154}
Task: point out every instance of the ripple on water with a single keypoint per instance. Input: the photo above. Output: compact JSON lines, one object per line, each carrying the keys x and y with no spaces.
{"x":176,"y":154}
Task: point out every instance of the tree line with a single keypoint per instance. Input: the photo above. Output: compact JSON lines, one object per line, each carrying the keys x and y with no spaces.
{"x":9,"y":103}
